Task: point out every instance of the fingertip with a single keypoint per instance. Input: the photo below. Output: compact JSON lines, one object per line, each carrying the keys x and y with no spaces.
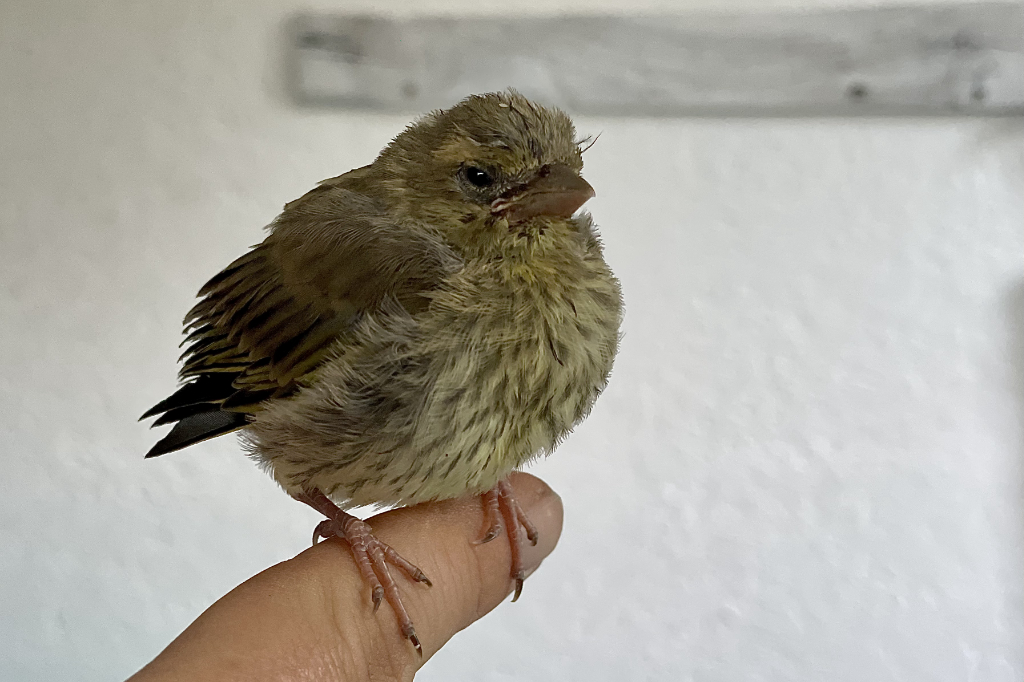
{"x":544,"y":508}
{"x":467,"y":579}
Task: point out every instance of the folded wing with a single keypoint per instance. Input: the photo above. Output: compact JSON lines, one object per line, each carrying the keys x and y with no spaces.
{"x":268,"y":319}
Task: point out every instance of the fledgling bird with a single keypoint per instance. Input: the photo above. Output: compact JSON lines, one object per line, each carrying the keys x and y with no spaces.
{"x":412,"y":330}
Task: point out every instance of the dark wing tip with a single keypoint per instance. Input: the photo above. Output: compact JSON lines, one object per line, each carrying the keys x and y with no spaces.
{"x":197,"y":428}
{"x":210,"y":388}
{"x":151,"y":412}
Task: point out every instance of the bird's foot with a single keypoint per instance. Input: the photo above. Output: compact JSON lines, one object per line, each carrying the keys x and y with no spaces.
{"x":503,"y":511}
{"x":372,"y":558}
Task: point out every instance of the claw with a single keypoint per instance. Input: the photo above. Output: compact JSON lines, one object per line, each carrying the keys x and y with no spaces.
{"x":323,"y":530}
{"x":532,"y":536}
{"x":519,"y":586}
{"x":409,"y":632}
{"x":494,"y":532}
{"x":492,"y":513}
{"x":377,"y":597}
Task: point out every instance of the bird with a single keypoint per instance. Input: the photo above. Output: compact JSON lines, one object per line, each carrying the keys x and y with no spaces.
{"x":413,"y":330}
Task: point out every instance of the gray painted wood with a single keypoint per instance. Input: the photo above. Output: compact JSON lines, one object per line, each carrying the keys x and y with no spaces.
{"x":946,"y":60}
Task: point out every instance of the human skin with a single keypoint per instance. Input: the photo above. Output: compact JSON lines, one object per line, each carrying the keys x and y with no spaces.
{"x":310,"y":618}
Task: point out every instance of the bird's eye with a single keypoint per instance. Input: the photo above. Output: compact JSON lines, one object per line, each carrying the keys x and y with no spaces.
{"x":478,"y":177}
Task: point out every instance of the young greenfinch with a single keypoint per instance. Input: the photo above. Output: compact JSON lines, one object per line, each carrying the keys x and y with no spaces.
{"x":415,"y":329}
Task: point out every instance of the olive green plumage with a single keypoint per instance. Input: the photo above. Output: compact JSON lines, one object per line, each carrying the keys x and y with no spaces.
{"x":417,"y":328}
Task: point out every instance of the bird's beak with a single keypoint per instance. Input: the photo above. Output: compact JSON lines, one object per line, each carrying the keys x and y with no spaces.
{"x":557,"y":192}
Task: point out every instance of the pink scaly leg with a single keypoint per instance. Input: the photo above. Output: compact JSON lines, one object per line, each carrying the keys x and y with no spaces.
{"x":502,"y":511}
{"x":371,"y":555}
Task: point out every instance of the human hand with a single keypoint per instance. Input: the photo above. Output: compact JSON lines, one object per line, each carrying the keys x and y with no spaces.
{"x":310,"y":618}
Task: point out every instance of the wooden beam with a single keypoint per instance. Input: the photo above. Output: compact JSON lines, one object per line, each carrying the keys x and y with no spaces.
{"x":931,"y":60}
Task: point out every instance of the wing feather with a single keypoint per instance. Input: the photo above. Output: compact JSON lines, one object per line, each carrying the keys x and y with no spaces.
{"x":269,"y":318}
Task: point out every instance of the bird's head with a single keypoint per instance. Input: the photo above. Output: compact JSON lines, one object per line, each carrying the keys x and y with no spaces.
{"x":493,"y":169}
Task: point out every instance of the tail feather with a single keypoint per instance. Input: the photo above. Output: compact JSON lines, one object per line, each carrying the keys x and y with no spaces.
{"x":176,"y":414}
{"x":206,"y":389}
{"x":197,"y":428}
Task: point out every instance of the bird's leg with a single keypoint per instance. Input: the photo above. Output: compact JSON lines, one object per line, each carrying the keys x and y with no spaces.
{"x":371,"y":555}
{"x":502,"y":510}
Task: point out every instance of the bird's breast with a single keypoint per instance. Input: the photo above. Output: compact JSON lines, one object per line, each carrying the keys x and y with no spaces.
{"x":518,"y":367}
{"x":449,"y":402}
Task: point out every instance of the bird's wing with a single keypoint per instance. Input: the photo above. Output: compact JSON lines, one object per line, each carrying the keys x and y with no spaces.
{"x":269,"y":318}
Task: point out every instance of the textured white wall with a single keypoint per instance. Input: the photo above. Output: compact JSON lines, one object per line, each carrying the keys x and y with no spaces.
{"x":807,"y":466}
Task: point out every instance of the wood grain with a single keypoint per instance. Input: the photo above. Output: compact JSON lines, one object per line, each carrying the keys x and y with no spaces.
{"x":947,"y":60}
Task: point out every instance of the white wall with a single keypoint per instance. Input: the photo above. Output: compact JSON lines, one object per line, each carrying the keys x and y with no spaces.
{"x":807,"y":466}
